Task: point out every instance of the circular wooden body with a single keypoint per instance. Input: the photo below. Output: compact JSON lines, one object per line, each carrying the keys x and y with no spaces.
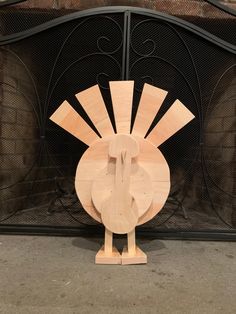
{"x":150,"y":198}
{"x":140,"y":187}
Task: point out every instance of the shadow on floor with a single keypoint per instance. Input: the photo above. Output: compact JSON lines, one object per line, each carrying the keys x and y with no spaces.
{"x":94,"y":244}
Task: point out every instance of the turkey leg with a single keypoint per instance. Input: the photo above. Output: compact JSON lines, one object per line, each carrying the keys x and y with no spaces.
{"x":108,"y":254}
{"x":133,"y":254}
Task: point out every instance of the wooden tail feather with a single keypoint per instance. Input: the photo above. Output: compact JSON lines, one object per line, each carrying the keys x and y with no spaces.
{"x":67,"y":118}
{"x":174,"y":119}
{"x":122,"y":100}
{"x":92,"y":102}
{"x":149,"y":105}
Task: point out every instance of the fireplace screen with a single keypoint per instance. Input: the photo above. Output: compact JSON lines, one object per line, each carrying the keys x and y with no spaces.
{"x":49,"y":56}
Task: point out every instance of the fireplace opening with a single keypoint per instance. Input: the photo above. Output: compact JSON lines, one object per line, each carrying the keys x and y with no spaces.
{"x":45,"y":66}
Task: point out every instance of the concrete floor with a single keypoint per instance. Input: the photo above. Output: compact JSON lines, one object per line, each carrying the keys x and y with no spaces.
{"x":58,"y":275}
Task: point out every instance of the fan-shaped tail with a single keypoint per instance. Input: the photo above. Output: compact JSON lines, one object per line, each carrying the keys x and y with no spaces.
{"x":122,"y":100}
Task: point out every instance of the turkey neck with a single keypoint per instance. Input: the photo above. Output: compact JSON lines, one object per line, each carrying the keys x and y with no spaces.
{"x":122,"y":178}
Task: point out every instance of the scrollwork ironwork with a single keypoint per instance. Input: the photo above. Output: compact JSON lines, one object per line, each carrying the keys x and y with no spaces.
{"x":106,"y":61}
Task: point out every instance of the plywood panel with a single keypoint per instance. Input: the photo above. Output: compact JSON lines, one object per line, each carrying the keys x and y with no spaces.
{"x":102,"y":257}
{"x":122,"y":100}
{"x":149,"y":105}
{"x":138,"y":257}
{"x":103,"y":185}
{"x":174,"y":119}
{"x":67,"y":118}
{"x":94,"y":165}
{"x":92,"y":102}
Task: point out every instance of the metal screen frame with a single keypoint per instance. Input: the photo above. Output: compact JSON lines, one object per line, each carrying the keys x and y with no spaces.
{"x":128,"y":12}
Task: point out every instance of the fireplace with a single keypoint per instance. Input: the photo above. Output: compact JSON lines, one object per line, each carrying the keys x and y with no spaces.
{"x":49,"y":55}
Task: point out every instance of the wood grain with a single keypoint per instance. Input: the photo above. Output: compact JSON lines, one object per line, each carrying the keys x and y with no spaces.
{"x":131,"y":242}
{"x":138,"y":257}
{"x":119,"y":211}
{"x":113,"y":258}
{"x":173,"y":120}
{"x":92,"y":101}
{"x":140,"y":187}
{"x":67,"y":118}
{"x":122,"y":100}
{"x":108,"y":243}
{"x":149,"y":105}
{"x":150,"y":159}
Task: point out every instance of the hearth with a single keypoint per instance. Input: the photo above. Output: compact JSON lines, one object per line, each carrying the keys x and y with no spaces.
{"x":49,"y":55}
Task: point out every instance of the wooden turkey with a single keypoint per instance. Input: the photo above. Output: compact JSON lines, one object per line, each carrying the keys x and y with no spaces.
{"x":122,"y":179}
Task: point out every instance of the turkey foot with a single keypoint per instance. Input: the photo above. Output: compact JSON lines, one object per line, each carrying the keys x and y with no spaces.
{"x":133,"y":254}
{"x":108,"y":254}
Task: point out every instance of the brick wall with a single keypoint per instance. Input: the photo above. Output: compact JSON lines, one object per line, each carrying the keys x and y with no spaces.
{"x":175,"y":7}
{"x":220,"y":146}
{"x":19,"y":137}
{"x":219,"y":151}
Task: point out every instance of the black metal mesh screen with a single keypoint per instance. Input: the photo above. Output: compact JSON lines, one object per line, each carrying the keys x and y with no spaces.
{"x":41,"y":69}
{"x":199,"y":157}
{"x":37,"y":187}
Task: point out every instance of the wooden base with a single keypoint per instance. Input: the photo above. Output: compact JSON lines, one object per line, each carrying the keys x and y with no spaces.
{"x":139,"y":257}
{"x":113,"y":258}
